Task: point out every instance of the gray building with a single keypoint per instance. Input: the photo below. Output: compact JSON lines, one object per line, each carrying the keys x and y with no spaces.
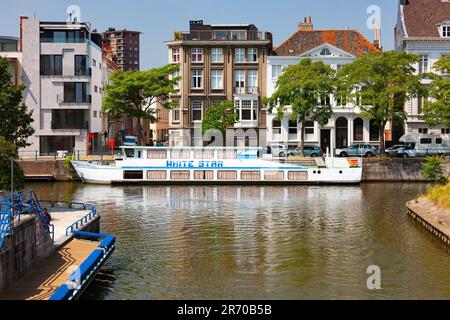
{"x":64,"y":73}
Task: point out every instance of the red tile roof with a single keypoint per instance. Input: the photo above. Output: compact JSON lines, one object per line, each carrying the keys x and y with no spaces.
{"x":348,"y":40}
{"x":422,"y":17}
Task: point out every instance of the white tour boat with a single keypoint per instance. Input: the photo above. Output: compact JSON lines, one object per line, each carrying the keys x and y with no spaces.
{"x":153,"y":165}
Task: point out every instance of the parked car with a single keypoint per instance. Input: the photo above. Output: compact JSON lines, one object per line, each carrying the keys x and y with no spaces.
{"x":420,"y":145}
{"x":276,"y":150}
{"x":310,"y":151}
{"x":392,"y":151}
{"x":358,"y":150}
{"x":130,"y":141}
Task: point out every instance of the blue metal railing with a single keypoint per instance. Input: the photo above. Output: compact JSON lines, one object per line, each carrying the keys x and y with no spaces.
{"x":81,"y":222}
{"x":23,"y":203}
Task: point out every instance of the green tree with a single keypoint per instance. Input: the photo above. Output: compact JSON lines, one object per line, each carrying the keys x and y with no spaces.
{"x":437,"y":110}
{"x":15,"y":119}
{"x":432,"y":169}
{"x":220,"y":116}
{"x":138,"y":93}
{"x":8,"y":151}
{"x":380,"y":83}
{"x":305,"y":87}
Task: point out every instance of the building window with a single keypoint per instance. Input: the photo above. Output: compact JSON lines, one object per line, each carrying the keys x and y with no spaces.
{"x":239,"y":55}
{"x":95,"y":89}
{"x":176,"y":115}
{"x":94,"y":62}
{"x":423,"y":130}
{"x":253,"y":81}
{"x":374,"y":131}
{"x":95,"y":114}
{"x":81,"y":65}
{"x":247,"y":110}
{"x":252,"y":55}
{"x":423,"y":64}
{"x":446,"y":31}
{"x":197,"y":55}
{"x":309,"y":128}
{"x":176,"y":74}
{"x":216,"y":79}
{"x":420,"y":104}
{"x":276,"y":127}
{"x":239,"y":81}
{"x":445,"y":130}
{"x":51,"y":65}
{"x":68,"y":119}
{"x":175,"y":55}
{"x":197,"y":79}
{"x":358,"y":130}
{"x":276,"y":71}
{"x":197,"y":110}
{"x":76,"y":92}
{"x":216,"y":55}
{"x":325,"y":52}
{"x":293,"y":127}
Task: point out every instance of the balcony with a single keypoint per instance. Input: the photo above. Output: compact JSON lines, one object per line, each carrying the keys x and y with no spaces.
{"x":246,"y":90}
{"x":74,"y":100}
{"x":221,"y":35}
{"x":58,"y":125}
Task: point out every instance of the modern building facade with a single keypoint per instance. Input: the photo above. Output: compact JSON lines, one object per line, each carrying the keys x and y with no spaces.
{"x":335,"y":48}
{"x":64,"y":74}
{"x":219,"y":62}
{"x":423,"y":28}
{"x":123,"y":48}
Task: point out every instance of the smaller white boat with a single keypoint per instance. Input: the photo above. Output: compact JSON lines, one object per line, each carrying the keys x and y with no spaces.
{"x":153,"y":165}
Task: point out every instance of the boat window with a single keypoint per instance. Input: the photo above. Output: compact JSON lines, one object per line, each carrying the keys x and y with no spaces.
{"x":181,"y":154}
{"x":157,"y":175}
{"x":251,"y":175}
{"x":157,"y":154}
{"x":180,"y":175}
{"x":227,"y":154}
{"x":204,"y":175}
{"x":129,"y":153}
{"x":204,"y":154}
{"x":227,"y":175}
{"x":298,"y":176}
{"x":273,"y":175}
{"x":133,"y":175}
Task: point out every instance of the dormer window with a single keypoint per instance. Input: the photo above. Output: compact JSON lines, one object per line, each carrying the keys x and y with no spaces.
{"x":446,"y":30}
{"x":325,"y":52}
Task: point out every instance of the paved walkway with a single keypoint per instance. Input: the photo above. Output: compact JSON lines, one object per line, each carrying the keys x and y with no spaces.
{"x":42,"y":282}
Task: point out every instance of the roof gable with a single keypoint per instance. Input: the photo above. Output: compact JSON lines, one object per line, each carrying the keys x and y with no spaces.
{"x":327,"y":50}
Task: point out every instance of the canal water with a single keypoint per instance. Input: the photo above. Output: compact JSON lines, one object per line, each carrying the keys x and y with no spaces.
{"x":227,"y":242}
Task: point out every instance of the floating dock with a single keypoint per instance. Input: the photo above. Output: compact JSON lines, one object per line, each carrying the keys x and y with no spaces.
{"x":63,"y":259}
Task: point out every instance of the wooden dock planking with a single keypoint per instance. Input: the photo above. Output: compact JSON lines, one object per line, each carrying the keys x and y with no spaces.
{"x":42,"y":282}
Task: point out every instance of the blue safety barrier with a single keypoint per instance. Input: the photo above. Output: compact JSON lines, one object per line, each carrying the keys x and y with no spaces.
{"x":87,"y":270}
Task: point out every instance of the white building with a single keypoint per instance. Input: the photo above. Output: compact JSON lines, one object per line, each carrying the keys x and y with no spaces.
{"x":63,"y":71}
{"x":423,"y":28}
{"x":335,"y":48}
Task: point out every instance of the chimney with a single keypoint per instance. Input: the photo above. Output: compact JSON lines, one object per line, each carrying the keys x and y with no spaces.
{"x":306,"y":25}
{"x":21,"y":32}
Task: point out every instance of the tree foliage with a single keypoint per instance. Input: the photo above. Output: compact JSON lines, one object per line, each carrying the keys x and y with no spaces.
{"x":15,"y":119}
{"x":8,"y":151}
{"x":138,"y":93}
{"x":305,"y":88}
{"x":432,"y":169}
{"x":380,"y":83}
{"x":220,"y":116}
{"x":437,"y":109}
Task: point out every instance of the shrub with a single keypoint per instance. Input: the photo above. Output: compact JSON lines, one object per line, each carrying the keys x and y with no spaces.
{"x":432,"y":169}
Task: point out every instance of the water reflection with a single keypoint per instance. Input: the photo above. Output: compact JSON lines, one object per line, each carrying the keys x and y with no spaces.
{"x":262,"y":242}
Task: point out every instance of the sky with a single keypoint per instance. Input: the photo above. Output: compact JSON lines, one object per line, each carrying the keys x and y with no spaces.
{"x":158,"y":19}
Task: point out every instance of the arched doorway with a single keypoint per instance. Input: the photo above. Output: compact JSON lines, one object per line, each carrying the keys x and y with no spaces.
{"x":341,"y":133}
{"x":358,"y":130}
{"x":374,"y":131}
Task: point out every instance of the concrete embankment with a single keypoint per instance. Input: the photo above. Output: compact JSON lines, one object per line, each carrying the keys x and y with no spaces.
{"x":430,"y":216}
{"x":30,"y":244}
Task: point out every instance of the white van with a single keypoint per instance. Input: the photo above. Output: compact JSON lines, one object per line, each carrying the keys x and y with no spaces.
{"x":130,"y":141}
{"x":419,"y":145}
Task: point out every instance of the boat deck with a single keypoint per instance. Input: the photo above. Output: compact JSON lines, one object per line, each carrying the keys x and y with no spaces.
{"x":43,"y":281}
